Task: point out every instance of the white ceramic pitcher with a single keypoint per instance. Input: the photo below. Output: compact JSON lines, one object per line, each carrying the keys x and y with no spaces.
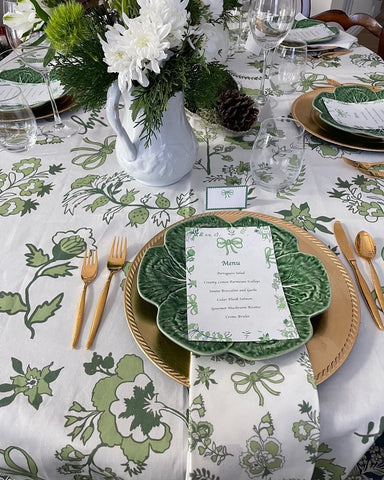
{"x":169,"y":156}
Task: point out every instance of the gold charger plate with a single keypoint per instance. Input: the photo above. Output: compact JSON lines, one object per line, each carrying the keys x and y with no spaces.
{"x":335,"y":330}
{"x":303,"y":111}
{"x":45,"y":110}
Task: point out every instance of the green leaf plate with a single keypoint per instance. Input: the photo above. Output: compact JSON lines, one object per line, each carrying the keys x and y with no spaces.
{"x":348,"y":94}
{"x":161,"y":281}
{"x":307,"y":22}
{"x":21,"y":75}
{"x":27,"y":76}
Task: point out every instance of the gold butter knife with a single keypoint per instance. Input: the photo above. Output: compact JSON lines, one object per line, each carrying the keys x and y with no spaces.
{"x":345,"y":247}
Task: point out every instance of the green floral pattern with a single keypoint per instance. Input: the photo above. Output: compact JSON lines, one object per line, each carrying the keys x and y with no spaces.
{"x":127,"y":414}
{"x":201,"y":432}
{"x":32,"y":382}
{"x":66,"y":246}
{"x":118,"y":416}
{"x":112,"y":194}
{"x":263,"y":455}
{"x":23,"y":185}
{"x":362,"y":195}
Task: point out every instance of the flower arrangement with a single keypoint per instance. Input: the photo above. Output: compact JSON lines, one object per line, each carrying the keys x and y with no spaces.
{"x":154,"y":47}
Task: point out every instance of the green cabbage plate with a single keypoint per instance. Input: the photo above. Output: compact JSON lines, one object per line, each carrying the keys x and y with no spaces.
{"x":162,"y":282}
{"x":348,"y":94}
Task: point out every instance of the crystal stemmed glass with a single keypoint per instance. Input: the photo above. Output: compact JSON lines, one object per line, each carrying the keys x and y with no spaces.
{"x":242,"y":25}
{"x":32,"y":53}
{"x":269,"y":21}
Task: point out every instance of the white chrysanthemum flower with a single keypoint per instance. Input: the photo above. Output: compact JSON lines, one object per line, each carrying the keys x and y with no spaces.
{"x":215,"y":7}
{"x":24,"y":17}
{"x":172,"y":12}
{"x":133,"y":51}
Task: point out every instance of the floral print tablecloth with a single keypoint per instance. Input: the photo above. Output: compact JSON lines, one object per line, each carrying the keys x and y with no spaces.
{"x":57,"y":405}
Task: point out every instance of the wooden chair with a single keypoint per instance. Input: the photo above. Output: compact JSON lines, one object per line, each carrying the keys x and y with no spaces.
{"x":357,"y":19}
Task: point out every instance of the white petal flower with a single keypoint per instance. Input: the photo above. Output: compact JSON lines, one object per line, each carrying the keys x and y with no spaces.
{"x":171,"y":12}
{"x":133,"y":51}
{"x":23,"y":18}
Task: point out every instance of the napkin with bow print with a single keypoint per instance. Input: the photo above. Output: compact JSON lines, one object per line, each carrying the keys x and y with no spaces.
{"x":252,"y":419}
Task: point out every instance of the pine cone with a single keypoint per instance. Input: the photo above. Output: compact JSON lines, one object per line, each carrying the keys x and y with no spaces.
{"x":236,"y":111}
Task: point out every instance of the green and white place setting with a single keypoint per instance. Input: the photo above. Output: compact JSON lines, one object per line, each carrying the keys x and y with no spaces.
{"x":140,"y":404}
{"x":355,"y":109}
{"x":312,"y":31}
{"x":33,"y":87}
{"x":240,"y":296}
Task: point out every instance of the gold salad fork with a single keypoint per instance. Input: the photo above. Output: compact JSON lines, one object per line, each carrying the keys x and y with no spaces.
{"x":88,"y":274}
{"x":115,"y":263}
{"x":375,"y":169}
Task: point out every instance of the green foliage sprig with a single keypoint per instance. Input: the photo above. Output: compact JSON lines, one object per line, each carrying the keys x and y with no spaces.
{"x":79,"y":66}
{"x":154,"y":100}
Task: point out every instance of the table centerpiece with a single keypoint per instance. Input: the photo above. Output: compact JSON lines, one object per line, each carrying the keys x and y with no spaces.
{"x":153,"y":53}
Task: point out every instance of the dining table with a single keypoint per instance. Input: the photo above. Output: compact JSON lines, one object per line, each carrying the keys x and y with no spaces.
{"x":123,"y":407}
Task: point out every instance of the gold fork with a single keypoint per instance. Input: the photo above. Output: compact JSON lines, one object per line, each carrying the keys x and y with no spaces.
{"x":374,"y":169}
{"x":115,"y":263}
{"x":88,"y":274}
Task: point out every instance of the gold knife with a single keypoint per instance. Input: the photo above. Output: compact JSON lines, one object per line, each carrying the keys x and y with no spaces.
{"x":345,"y":247}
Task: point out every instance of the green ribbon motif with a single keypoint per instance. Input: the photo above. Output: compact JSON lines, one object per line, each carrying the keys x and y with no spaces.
{"x":233,"y":244}
{"x":227,"y":193}
{"x":269,"y":256}
{"x":269,"y":373}
{"x":192,"y":304}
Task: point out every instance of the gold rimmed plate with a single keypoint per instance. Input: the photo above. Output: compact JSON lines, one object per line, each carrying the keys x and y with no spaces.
{"x":335,"y":330}
{"x":303,"y":111}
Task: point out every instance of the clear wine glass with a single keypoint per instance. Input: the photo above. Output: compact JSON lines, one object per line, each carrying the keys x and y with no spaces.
{"x":277,"y":153}
{"x":32,"y":54}
{"x":269,"y":21}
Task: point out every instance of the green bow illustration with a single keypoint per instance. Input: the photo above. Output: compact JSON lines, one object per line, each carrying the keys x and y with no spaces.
{"x":192,"y":304}
{"x":233,"y":244}
{"x":269,"y":256}
{"x":227,"y":193}
{"x":269,"y":373}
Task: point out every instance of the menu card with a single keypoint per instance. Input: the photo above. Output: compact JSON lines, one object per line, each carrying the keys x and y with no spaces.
{"x":309,"y":34}
{"x":234,"y":291}
{"x":364,"y":115}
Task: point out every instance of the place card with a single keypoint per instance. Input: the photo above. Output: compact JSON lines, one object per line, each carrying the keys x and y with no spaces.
{"x":226,"y":198}
{"x":234,"y":291}
{"x":364,"y":115}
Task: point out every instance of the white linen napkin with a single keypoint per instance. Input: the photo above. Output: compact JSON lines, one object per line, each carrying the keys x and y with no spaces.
{"x":343,"y":40}
{"x":252,"y":419}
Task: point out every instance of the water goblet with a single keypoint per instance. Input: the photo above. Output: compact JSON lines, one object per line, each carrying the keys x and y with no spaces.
{"x":32,"y":51}
{"x":288,"y":64}
{"x":239,"y":26}
{"x":277,"y":153}
{"x":18,"y":128}
{"x":33,"y":57}
{"x":269,"y":22}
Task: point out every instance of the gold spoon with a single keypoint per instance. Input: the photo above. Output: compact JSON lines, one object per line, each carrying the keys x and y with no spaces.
{"x":366,"y":248}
